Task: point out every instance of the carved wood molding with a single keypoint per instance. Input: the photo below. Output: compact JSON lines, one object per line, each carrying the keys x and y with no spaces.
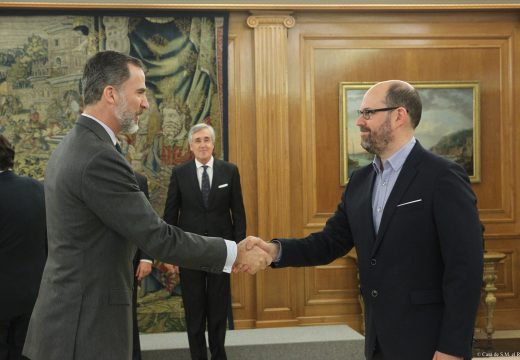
{"x":272,"y":121}
{"x":272,"y":132}
{"x":270,"y":19}
{"x":239,"y":5}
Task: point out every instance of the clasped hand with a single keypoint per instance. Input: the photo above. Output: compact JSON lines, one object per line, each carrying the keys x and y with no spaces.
{"x":254,"y":254}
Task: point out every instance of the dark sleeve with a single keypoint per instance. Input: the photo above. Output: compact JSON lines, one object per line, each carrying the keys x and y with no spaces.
{"x":460,"y":237}
{"x":142,"y":181}
{"x":173,"y":200}
{"x":319,"y":248}
{"x":110,"y":191}
{"x":238,"y":212}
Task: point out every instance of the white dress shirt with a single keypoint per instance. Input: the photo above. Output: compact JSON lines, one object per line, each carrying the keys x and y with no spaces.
{"x":231,"y":245}
{"x":209,"y":170}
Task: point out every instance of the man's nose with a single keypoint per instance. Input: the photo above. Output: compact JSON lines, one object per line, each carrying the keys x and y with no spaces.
{"x":360,"y":121}
{"x":144,"y":103}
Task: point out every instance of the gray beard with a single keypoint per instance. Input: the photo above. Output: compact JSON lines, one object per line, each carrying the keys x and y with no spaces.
{"x":128,"y":125}
{"x":126,"y":118}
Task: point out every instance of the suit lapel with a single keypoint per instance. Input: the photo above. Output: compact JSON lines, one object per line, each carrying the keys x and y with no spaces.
{"x":368,"y":205}
{"x":194,"y":182}
{"x":407,"y":174}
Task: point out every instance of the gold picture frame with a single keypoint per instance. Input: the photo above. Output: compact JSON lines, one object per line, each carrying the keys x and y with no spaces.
{"x":449,"y":127}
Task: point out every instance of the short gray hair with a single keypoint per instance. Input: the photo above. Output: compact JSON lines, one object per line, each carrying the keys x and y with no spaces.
{"x":198,"y":127}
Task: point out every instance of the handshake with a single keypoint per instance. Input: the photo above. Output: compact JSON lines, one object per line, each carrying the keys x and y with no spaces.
{"x":254,"y":254}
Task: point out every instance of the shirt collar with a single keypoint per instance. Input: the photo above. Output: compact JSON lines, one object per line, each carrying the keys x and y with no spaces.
{"x":198,"y":164}
{"x":107,"y":129}
{"x":396,"y":161}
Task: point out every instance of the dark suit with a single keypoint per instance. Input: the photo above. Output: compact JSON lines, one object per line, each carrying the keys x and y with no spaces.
{"x":142,"y":182}
{"x":206,"y":295}
{"x":23,"y":250}
{"x":97,"y":218}
{"x":421,"y":274}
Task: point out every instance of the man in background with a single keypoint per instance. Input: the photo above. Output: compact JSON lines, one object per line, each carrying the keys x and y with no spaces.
{"x":205,"y":197}
{"x":413,"y":219}
{"x":23,"y":250}
{"x":97,"y":218}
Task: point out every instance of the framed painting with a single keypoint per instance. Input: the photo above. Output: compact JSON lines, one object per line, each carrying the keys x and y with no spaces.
{"x":449,"y":127}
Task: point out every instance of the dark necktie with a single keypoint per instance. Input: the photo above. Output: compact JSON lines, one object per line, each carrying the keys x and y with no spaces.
{"x":204,"y":187}
{"x":118,"y":148}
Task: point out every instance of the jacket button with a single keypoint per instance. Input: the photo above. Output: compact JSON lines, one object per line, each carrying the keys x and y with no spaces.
{"x":373,"y":262}
{"x":374,"y":293}
{"x":205,"y":233}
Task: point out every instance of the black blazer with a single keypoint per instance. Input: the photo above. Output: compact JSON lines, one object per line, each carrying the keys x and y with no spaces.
{"x":23,"y":243}
{"x":142,"y":181}
{"x":225,"y":216}
{"x":421,"y":275}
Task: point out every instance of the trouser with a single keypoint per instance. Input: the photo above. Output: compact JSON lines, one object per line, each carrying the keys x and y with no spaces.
{"x":206,"y":298}
{"x":12,"y":337}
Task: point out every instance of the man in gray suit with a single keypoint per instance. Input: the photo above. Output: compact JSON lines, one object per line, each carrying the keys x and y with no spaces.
{"x":96,"y":216}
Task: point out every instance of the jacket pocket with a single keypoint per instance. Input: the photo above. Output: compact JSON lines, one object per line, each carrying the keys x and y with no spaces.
{"x":423,"y":297}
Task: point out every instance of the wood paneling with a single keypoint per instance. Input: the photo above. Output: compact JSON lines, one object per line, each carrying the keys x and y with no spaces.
{"x":293,"y":191}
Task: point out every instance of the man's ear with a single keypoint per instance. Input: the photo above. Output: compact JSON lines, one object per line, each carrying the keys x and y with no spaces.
{"x":402,"y":116}
{"x":110,"y":94}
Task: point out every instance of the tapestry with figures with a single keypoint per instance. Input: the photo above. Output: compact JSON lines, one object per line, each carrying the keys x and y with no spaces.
{"x":41,"y":63}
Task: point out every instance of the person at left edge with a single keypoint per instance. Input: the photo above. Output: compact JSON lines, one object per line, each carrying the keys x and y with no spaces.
{"x":96,"y":216}
{"x":23,"y":250}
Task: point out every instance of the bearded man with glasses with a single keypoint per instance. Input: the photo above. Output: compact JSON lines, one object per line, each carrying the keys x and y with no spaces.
{"x":413,"y":219}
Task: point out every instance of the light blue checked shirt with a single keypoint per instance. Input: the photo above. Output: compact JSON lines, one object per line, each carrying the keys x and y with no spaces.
{"x":386,"y":178}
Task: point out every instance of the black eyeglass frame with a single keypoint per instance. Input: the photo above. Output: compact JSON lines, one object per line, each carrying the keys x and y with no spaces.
{"x":367,"y":113}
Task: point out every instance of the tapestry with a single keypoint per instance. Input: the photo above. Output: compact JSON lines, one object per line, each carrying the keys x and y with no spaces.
{"x":41,"y":64}
{"x":42,"y":60}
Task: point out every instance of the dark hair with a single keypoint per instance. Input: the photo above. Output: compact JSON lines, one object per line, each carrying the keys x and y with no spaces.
{"x":402,"y":94}
{"x":6,"y":154}
{"x":103,"y":69}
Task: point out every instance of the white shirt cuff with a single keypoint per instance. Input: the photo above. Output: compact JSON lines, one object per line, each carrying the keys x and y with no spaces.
{"x":231,"y":255}
{"x":146,"y":260}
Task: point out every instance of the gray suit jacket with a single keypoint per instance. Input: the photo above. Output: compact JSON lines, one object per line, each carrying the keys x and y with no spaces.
{"x":96,"y":216}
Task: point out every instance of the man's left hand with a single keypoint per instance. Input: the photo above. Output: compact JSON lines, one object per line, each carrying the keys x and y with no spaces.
{"x":143,"y":269}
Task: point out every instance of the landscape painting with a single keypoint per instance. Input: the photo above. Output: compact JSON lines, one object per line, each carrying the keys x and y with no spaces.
{"x":449,"y":126}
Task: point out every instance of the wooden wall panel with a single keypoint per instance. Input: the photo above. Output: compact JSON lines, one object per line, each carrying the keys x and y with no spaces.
{"x":325,"y":49}
{"x":242,"y":151}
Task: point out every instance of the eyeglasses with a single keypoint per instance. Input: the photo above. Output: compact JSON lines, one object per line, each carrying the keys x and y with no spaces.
{"x":367,"y":113}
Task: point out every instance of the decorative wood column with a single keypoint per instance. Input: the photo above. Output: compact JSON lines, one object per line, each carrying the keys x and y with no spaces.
{"x":272,"y":125}
{"x":491,"y":260}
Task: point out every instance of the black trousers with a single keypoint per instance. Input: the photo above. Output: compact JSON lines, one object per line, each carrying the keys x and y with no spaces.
{"x":12,"y":337}
{"x":136,"y":350}
{"x":206,"y":299}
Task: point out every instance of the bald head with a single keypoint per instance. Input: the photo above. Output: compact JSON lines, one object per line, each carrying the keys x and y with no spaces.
{"x":400,"y":93}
